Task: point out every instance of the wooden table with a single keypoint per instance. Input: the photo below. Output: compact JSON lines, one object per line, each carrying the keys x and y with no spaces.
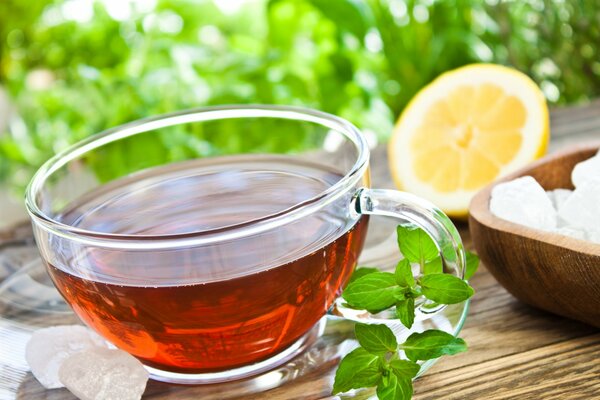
{"x":516,"y":352}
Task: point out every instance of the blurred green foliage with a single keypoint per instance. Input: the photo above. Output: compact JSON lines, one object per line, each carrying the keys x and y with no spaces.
{"x":77,"y":67}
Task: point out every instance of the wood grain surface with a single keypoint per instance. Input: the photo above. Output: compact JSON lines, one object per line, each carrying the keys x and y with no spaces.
{"x":515,"y":351}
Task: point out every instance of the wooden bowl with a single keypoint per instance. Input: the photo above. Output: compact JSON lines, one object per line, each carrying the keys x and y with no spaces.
{"x":546,"y":270}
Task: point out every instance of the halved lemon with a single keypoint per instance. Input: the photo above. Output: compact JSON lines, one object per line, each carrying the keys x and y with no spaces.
{"x":465,"y":129}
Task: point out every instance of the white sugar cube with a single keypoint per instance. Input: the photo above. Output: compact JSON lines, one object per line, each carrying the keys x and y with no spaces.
{"x":104,"y":374}
{"x":558,"y":197}
{"x":585,"y":171}
{"x":593,"y":236}
{"x":49,"y":347}
{"x":523,"y":201}
{"x":582,"y":208}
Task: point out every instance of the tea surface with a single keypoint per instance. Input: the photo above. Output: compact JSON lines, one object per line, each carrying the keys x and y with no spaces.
{"x":211,"y":308}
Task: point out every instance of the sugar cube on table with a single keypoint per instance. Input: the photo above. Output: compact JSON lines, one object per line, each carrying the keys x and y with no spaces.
{"x":586,"y":171}
{"x":104,"y":374}
{"x":558,"y":197}
{"x":49,"y":347}
{"x":593,"y":236}
{"x":582,"y":208}
{"x":523,"y":201}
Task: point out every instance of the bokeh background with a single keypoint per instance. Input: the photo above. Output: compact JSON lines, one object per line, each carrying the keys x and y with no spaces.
{"x":71,"y":68}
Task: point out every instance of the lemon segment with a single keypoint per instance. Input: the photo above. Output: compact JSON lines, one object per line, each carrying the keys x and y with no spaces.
{"x":466,"y":129}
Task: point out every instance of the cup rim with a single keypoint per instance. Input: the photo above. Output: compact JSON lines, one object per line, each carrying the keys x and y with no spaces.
{"x":202,"y":114}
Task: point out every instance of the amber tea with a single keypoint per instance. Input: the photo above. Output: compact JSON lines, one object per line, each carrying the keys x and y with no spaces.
{"x":218,"y":307}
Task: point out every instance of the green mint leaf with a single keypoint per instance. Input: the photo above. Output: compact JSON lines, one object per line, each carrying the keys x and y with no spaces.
{"x":405,"y":311}
{"x":373,"y":292}
{"x":394,"y":387}
{"x":413,"y":292}
{"x":432,"y":344}
{"x":448,"y":251}
{"x":376,"y":339}
{"x":360,"y":272}
{"x":404,"y":275}
{"x":430,"y":306}
{"x":472,"y":265}
{"x":407,"y":369}
{"x":357,"y":370}
{"x":416,"y":245}
{"x":445,"y":289}
{"x":434,"y":266}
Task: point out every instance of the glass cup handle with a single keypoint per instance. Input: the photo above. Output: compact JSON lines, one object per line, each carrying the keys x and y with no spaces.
{"x":412,"y":209}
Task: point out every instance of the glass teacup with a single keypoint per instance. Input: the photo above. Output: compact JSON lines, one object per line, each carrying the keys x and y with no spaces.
{"x":208,"y":244}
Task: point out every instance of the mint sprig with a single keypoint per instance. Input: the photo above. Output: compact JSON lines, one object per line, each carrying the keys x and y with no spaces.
{"x":357,"y":370}
{"x":404,"y":275}
{"x":432,"y":344}
{"x":394,"y":387}
{"x":472,"y":265}
{"x":416,"y":245}
{"x":377,"y":362}
{"x":373,"y":292}
{"x":445,"y":289}
{"x":405,"y":311}
{"x":376,"y":339}
{"x":360,"y":272}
